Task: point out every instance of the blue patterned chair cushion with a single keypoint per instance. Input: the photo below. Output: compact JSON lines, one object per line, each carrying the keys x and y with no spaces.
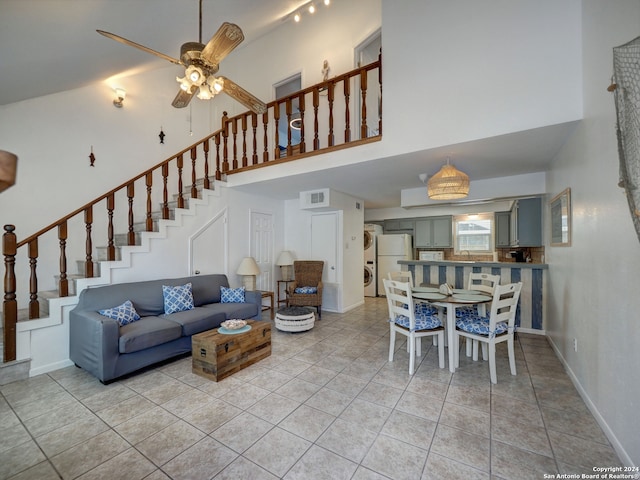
{"x":231,"y":295}
{"x":466,"y":310}
{"x":124,"y":314}
{"x":177,"y":299}
{"x":423,"y":308}
{"x":423,"y":322}
{"x":307,"y":290}
{"x":479,"y":325}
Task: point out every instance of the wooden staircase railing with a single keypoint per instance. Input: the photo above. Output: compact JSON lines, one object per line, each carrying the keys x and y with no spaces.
{"x":243,"y":142}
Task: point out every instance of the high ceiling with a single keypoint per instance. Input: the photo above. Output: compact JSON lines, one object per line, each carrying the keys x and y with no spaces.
{"x":50,"y":46}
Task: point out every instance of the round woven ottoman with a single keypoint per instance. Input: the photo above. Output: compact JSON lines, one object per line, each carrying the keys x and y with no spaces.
{"x":295,"y":319}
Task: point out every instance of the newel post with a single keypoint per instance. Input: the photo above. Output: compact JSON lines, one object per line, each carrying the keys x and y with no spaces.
{"x":10,"y":305}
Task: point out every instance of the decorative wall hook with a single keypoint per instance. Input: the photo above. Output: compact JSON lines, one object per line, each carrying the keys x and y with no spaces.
{"x":92,"y":158}
{"x":161,"y":135}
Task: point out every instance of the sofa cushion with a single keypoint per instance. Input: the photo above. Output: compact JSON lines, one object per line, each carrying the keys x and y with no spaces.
{"x":196,"y":320}
{"x":177,"y":298}
{"x":124,"y":314}
{"x":232,"y":295}
{"x":234,"y":310}
{"x":147,"y":332}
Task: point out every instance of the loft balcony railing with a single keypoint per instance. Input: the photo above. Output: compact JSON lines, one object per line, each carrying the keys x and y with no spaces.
{"x":344,"y":111}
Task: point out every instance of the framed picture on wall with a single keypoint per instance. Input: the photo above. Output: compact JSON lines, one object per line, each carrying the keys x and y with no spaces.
{"x":561,"y":219}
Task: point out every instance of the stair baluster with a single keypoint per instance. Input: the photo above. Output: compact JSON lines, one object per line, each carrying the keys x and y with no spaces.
{"x":276,"y":133}
{"x":131,"y":235}
{"x":149,"y":219}
{"x":330,"y":97}
{"x":225,"y":136}
{"x":218,"y":171}
{"x":165,"y":192}
{"x":194,"y":178}
{"x":254,"y":127}
{"x":303,"y":147}
{"x":347,"y":119}
{"x":265,"y":123}
{"x":34,"y":306}
{"x":316,"y":104}
{"x":88,"y":244}
{"x":111,"y":248}
{"x":63,"y":287}
{"x":205,"y":147}
{"x":180,"y":164}
{"x":244,"y":140}
{"x":363,"y":113}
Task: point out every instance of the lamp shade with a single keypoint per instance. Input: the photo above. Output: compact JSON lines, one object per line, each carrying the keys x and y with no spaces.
{"x":248,"y":266}
{"x":448,"y":184}
{"x":8,"y":167}
{"x":285,"y":258}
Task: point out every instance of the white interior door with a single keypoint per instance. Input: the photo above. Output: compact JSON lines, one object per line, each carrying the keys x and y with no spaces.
{"x":324,"y":244}
{"x":262,"y":248}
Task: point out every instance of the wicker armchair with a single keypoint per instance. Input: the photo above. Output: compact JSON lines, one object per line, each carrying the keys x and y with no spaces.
{"x":306,"y":273}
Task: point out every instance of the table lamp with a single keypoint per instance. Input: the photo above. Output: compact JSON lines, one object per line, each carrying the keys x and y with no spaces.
{"x":248,"y":269}
{"x":285,"y":262}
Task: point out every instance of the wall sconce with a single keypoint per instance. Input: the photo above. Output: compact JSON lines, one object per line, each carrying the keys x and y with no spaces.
{"x":8,"y":167}
{"x":120,"y":96}
{"x":285,"y":262}
{"x":248,"y":269}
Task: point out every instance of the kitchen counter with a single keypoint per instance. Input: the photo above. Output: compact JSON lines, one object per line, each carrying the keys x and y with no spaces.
{"x":531,"y":311}
{"x":540,"y":266}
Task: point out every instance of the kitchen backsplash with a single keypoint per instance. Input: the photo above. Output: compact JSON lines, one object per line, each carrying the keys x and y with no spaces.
{"x":535,"y":253}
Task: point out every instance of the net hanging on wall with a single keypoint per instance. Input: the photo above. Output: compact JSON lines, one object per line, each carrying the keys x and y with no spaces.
{"x":626,"y":88}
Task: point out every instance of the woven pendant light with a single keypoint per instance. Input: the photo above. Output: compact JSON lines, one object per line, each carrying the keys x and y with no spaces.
{"x":8,"y":166}
{"x":448,"y":184}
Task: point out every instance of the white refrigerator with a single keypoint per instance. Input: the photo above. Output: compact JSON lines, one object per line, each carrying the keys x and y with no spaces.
{"x":392,"y":248}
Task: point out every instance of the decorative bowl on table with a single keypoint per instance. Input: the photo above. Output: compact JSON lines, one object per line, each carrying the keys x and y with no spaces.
{"x":233,"y":324}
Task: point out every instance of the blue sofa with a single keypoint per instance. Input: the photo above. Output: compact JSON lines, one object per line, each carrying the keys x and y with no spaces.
{"x":107,"y":350}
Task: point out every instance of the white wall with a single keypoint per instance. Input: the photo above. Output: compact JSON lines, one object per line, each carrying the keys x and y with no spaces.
{"x":351,"y":249}
{"x":468,"y":65}
{"x":593,"y":284}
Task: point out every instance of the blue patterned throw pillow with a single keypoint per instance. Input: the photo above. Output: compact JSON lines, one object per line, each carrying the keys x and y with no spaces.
{"x":177,"y":299}
{"x":231,"y":295}
{"x":124,"y":314}
{"x":307,"y":290}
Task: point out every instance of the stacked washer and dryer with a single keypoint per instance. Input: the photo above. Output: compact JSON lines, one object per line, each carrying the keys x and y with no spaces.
{"x":371,"y":231}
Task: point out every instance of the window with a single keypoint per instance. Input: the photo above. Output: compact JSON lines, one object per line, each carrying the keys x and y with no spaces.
{"x":473,"y":233}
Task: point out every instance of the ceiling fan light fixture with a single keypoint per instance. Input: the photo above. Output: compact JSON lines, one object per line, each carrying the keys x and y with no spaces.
{"x":195,"y":75}
{"x":448,"y":184}
{"x":204,"y":93}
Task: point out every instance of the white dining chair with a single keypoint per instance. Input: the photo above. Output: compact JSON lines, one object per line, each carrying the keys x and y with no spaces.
{"x":497,"y":327}
{"x":404,"y":320}
{"x":481,"y":282}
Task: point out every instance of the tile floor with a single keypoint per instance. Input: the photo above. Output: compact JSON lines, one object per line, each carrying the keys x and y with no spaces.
{"x":326,"y":405}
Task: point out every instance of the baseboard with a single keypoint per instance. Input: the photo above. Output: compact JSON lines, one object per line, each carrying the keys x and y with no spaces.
{"x":617,"y":446}
{"x":50,"y":367}
{"x":532,"y":331}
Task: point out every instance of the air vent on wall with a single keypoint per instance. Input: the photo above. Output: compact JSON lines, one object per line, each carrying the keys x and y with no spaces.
{"x":315,"y":199}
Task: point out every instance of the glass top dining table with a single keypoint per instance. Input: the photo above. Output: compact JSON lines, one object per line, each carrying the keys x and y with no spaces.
{"x":458,"y":298}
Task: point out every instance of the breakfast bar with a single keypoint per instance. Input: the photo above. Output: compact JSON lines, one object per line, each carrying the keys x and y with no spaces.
{"x":531,"y":310}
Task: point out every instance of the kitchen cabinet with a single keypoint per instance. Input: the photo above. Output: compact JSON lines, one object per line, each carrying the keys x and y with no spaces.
{"x":503,"y":227}
{"x":401,"y":224}
{"x":526,"y":223}
{"x":434,"y":232}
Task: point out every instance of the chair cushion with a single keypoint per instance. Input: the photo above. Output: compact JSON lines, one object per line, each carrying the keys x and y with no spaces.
{"x":423,"y":308}
{"x":177,"y":299}
{"x":479,"y":325}
{"x":306,"y":290}
{"x":466,"y":310}
{"x":232,"y":295}
{"x":423,"y":322}
{"x":124,"y":314}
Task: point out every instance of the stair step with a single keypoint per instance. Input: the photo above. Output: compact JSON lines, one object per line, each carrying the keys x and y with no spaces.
{"x":101,"y":254}
{"x":80,"y":267}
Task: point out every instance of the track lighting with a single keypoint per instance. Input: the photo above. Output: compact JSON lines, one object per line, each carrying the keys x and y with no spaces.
{"x":308,"y":7}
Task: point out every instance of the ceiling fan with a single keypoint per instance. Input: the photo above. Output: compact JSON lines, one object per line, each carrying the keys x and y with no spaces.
{"x":201,"y":64}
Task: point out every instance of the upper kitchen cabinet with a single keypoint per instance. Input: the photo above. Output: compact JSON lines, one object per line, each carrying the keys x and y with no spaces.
{"x":503,"y":226}
{"x":434,"y":232}
{"x":526,"y":222}
{"x":403,"y":225}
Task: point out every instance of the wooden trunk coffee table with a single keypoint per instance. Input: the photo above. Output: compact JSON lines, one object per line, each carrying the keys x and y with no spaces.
{"x":217,"y":355}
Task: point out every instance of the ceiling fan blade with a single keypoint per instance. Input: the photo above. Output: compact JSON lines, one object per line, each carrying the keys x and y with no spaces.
{"x":228,"y":37}
{"x":123,"y":40}
{"x":241,"y":95}
{"x":183,"y":98}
